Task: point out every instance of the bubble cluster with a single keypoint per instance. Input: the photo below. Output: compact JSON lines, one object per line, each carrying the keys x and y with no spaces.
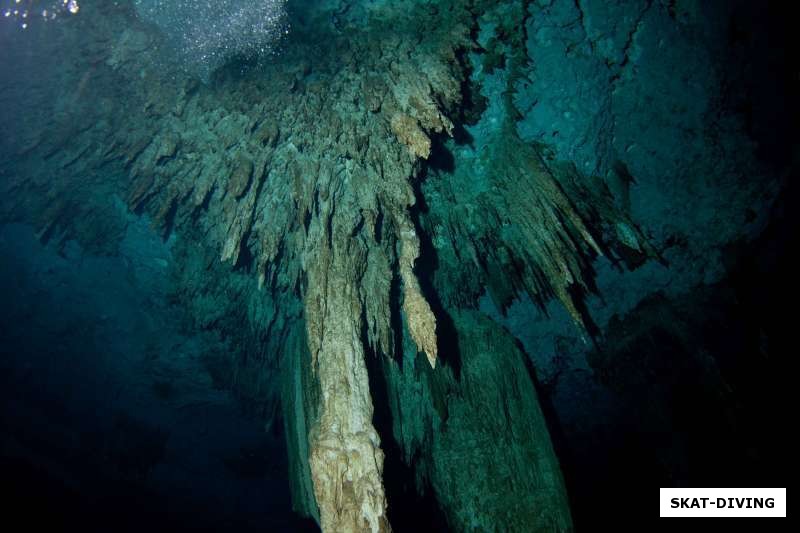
{"x":209,"y":33}
{"x":26,"y":12}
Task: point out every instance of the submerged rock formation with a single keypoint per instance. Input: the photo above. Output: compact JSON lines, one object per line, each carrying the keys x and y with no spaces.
{"x":306,"y":175}
{"x":446,"y":420}
{"x":320,"y":180}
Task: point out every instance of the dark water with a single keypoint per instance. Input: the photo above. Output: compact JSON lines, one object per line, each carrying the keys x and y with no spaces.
{"x":143,"y":382}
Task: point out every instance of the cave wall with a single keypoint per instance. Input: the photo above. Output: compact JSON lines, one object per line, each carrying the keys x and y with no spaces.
{"x":667,"y":103}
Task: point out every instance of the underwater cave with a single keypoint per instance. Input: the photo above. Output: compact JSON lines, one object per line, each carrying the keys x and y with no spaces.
{"x":375,"y":265}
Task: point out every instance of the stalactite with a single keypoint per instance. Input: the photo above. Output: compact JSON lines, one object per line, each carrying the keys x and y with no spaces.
{"x":307,"y":179}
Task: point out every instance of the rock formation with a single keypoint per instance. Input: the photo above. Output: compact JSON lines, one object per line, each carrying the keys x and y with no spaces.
{"x":316,"y":178}
{"x":306,"y":176}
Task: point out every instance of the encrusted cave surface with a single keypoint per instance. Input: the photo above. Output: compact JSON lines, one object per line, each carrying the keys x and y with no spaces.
{"x":357,"y":265}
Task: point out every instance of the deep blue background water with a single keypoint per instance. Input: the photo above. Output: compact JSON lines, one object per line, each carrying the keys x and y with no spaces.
{"x":105,"y":401}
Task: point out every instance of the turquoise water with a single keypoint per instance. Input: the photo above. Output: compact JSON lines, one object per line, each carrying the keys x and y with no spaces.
{"x":421,"y":264}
